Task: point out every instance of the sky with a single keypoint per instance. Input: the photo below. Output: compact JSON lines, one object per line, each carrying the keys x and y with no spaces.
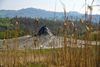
{"x":49,"y":5}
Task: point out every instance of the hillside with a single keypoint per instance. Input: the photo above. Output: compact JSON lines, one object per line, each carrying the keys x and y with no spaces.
{"x":34,"y":12}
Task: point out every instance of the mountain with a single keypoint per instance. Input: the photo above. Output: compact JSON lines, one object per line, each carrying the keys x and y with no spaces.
{"x":33,"y":12}
{"x":28,"y":12}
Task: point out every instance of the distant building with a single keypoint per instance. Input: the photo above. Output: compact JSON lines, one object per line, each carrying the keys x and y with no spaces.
{"x":44,"y":30}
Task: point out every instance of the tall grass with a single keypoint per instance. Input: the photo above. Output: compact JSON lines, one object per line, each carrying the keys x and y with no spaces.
{"x":70,"y":55}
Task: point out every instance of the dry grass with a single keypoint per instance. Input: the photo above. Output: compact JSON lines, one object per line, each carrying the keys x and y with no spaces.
{"x":69,"y":57}
{"x":66,"y":56}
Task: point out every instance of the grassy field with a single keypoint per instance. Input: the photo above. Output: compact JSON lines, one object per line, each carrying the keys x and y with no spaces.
{"x":66,"y":57}
{"x":69,"y":55}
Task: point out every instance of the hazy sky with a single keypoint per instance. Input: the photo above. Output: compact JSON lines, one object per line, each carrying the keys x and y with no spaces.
{"x":71,"y":5}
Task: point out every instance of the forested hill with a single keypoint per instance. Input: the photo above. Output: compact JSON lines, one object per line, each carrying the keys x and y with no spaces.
{"x":28,"y":26}
{"x":34,"y":12}
{"x":25,"y":26}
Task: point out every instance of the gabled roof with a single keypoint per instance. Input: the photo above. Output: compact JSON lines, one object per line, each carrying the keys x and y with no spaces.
{"x":44,"y":30}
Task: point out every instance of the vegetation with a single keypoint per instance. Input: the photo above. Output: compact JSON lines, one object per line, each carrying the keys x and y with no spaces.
{"x":78,"y":41}
{"x":29,"y":26}
{"x":25,"y":26}
{"x":51,"y":57}
{"x":66,"y":56}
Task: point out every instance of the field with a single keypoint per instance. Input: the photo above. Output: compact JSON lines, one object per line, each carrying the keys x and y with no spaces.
{"x":67,"y":43}
{"x":74,"y":57}
{"x":53,"y":55}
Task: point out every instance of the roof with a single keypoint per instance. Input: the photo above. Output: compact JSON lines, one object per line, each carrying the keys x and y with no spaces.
{"x":44,"y":30}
